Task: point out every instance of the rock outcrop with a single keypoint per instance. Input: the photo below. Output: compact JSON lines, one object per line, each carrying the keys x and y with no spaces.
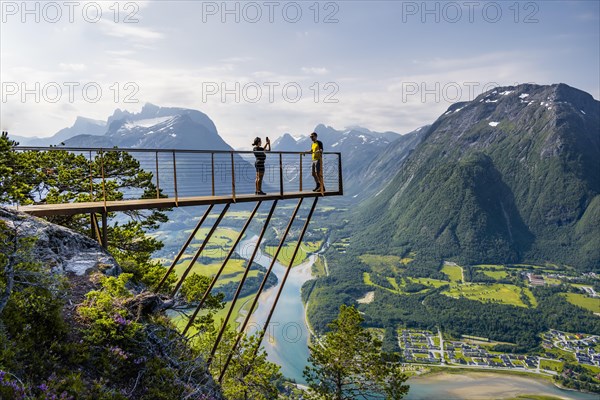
{"x":60,"y":248}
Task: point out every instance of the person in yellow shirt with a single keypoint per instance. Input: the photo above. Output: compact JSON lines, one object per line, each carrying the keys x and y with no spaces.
{"x":317,"y":162}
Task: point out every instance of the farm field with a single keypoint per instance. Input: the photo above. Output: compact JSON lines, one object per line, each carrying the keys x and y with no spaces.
{"x":231,"y":272}
{"x":493,"y":271}
{"x":241,"y":308}
{"x":382,"y":264}
{"x":551,"y":365}
{"x":592,"y":304}
{"x":287,"y":251}
{"x":498,"y":293}
{"x":502,"y":293}
{"x":341,"y":244}
{"x":221,"y":239}
{"x":454,"y":272}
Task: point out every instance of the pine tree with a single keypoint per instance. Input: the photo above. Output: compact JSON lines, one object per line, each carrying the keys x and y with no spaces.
{"x":347,"y":363}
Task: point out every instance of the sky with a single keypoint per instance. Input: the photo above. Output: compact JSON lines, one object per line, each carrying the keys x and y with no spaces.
{"x":265,"y":68}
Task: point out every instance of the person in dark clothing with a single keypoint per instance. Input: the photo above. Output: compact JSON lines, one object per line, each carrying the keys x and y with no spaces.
{"x":259,"y":153}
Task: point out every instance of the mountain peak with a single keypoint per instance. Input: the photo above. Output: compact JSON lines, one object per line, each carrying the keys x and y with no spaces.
{"x":503,"y":178}
{"x":149,"y":109}
{"x":285,"y":141}
{"x":84,"y":121}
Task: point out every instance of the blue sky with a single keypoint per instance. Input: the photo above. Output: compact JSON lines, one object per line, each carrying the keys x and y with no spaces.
{"x":269,"y":67}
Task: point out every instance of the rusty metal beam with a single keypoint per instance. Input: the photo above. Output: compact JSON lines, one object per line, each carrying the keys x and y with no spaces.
{"x":216,"y":277}
{"x":184,"y":248}
{"x":285,"y":276}
{"x":260,"y":289}
{"x":241,"y":284}
{"x":200,"y":249}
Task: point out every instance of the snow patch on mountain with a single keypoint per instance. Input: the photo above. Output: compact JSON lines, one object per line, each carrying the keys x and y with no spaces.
{"x":146,"y":123}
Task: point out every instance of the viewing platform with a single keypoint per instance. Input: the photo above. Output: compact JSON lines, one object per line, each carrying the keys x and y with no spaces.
{"x":109,"y":180}
{"x":192,"y":178}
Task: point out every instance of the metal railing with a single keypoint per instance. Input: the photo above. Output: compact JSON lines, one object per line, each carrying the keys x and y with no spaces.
{"x":178,"y":174}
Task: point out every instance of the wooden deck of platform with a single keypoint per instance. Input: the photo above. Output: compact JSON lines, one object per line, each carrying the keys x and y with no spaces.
{"x":43,"y":210}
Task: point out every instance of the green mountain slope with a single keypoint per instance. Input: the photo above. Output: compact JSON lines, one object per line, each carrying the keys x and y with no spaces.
{"x":511,"y":176}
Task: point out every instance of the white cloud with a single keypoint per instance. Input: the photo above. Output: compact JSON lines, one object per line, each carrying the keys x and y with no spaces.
{"x":169,"y":54}
{"x":315,"y":70}
{"x":133,"y":32}
{"x":72,"y":67}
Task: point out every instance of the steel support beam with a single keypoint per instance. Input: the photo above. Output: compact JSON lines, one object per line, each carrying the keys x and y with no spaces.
{"x":260,"y":289}
{"x":285,"y":276}
{"x":216,"y":277}
{"x":241,"y":284}
{"x":184,"y":248}
{"x":200,"y":249}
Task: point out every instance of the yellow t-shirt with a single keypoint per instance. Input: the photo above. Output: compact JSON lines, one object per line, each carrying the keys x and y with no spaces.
{"x":316,"y":146}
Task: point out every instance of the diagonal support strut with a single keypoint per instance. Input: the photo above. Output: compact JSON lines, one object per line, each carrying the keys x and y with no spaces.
{"x":216,"y":277}
{"x":184,"y":248}
{"x":200,"y":249}
{"x":260,"y":289}
{"x":287,"y":272}
{"x":241,"y":284}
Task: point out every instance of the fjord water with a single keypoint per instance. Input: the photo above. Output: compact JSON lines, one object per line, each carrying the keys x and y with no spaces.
{"x":486,"y":385}
{"x":286,"y":344}
{"x":286,"y":339}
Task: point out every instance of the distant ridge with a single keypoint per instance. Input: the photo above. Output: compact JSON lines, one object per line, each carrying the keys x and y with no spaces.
{"x":511,"y":176}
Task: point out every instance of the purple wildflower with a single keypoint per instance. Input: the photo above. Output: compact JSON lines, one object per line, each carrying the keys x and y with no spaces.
{"x":120,"y":320}
{"x":116,"y":350}
{"x":139,"y":360}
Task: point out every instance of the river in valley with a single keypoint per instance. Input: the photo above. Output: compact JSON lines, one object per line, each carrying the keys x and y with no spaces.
{"x":286,"y":339}
{"x":286,"y":344}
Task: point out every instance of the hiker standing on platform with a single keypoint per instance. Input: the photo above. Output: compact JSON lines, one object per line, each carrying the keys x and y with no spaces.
{"x":317,"y":162}
{"x":259,"y":153}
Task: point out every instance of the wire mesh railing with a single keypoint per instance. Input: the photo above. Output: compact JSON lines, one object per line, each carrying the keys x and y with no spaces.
{"x":179,"y":174}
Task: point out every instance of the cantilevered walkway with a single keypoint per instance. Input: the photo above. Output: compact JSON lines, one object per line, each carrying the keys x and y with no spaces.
{"x":194,"y":178}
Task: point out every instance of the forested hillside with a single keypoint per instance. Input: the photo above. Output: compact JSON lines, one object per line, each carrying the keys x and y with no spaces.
{"x":511,"y":176}
{"x":500,"y":189}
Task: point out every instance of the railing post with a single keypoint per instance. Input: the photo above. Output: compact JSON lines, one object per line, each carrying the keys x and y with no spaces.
{"x":301,"y":155}
{"x":212,"y":171}
{"x":341,"y":182}
{"x":103,"y":179}
{"x":91,"y":179}
{"x":104,"y":230}
{"x":157,"y":181}
{"x":280,"y":174}
{"x":232,"y":177}
{"x":175,"y":179}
